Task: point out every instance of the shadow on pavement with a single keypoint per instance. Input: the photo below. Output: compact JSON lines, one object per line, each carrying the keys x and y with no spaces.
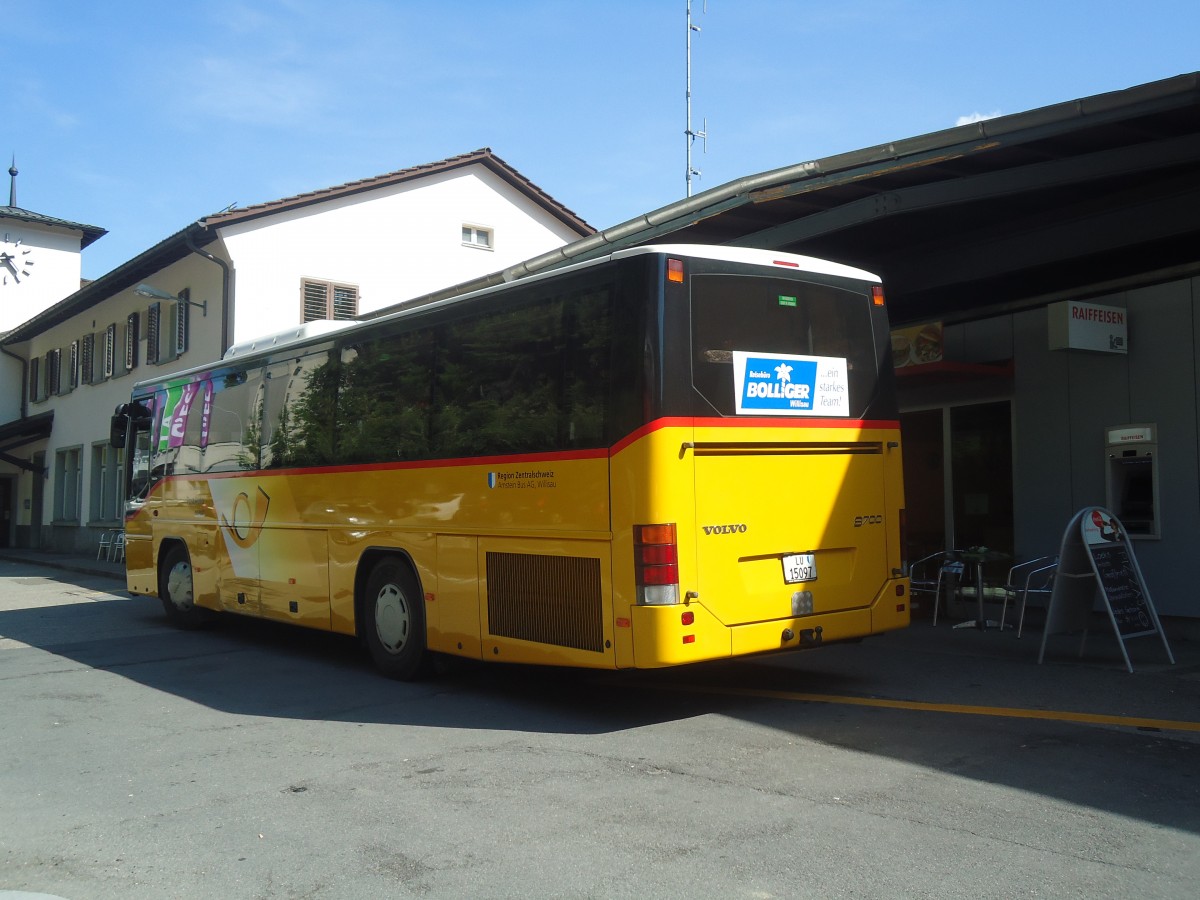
{"x":254,"y":668}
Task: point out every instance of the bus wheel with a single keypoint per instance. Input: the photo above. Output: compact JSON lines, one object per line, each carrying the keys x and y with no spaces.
{"x":394,"y":621}
{"x":175,"y":590}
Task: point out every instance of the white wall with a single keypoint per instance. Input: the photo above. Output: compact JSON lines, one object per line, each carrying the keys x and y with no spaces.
{"x":393,"y":244}
{"x":10,"y":389}
{"x":54,"y":275}
{"x":81,"y":415}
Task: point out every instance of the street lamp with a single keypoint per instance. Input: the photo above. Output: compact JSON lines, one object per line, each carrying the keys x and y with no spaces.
{"x":149,"y":290}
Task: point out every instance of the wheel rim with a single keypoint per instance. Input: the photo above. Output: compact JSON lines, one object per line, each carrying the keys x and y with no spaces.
{"x":179,"y":586}
{"x":391,"y":618}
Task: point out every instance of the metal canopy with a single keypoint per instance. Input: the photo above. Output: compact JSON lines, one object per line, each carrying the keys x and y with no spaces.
{"x":973,"y":220}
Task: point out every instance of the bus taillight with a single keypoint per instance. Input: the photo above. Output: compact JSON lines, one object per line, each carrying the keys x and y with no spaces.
{"x":877,"y":295}
{"x":675,"y":270}
{"x":656,"y":560}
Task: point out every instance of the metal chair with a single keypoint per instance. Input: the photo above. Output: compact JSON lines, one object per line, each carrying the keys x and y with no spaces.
{"x":948,"y":578}
{"x":116,"y":553}
{"x":1033,"y":577}
{"x":105,"y":548}
{"x":922,"y":575}
{"x":934,"y":573}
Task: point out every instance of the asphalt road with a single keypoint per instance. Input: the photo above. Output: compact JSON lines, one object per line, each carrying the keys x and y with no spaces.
{"x":251,"y":760}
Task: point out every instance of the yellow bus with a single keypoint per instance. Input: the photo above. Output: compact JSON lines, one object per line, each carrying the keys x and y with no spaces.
{"x":671,"y":454}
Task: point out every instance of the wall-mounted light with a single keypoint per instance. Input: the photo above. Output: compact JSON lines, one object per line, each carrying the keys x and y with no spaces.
{"x":149,"y":290}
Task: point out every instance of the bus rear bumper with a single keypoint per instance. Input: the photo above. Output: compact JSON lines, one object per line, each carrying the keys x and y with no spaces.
{"x":663,"y":635}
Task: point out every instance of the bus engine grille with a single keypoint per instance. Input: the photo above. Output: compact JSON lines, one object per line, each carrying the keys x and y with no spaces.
{"x":549,"y":599}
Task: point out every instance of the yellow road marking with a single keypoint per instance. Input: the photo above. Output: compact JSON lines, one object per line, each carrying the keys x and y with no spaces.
{"x":959,"y":708}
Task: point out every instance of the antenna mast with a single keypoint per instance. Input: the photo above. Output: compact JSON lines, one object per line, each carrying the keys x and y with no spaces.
{"x":689,"y":134}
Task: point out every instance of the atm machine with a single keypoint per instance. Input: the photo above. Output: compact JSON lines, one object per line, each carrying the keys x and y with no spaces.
{"x":1131,"y":476}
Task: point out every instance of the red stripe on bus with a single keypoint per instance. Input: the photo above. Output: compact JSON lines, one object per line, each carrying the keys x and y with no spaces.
{"x":551,"y":457}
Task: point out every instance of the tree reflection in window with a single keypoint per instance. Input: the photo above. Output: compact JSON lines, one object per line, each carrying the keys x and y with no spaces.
{"x":525,"y":379}
{"x":383,"y":398}
{"x":533,"y":377}
{"x":233,"y":428}
{"x":299,"y":411}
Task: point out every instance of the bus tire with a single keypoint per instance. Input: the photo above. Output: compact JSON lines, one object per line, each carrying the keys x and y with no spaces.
{"x":175,"y":589}
{"x":393,"y":622}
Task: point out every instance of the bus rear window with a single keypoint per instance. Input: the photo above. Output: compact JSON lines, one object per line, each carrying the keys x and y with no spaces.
{"x":778,"y":315}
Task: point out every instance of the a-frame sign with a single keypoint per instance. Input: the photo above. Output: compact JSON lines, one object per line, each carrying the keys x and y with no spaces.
{"x":1096,"y":558}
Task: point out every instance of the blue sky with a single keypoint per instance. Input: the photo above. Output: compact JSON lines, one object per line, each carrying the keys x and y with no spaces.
{"x":140,"y":117}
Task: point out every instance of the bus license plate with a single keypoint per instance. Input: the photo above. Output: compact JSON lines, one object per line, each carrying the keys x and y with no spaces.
{"x":799,"y":567}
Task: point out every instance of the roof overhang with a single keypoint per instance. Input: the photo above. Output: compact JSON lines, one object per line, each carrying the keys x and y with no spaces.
{"x":88,"y":233}
{"x":482,"y":157}
{"x":976,"y":219}
{"x":20,"y":432}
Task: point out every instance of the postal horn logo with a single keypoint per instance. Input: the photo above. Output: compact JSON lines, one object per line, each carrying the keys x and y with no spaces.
{"x":246,"y":524}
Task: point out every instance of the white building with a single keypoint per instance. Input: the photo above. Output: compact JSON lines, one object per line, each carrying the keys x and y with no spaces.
{"x":336,"y":253}
{"x":39,"y":261}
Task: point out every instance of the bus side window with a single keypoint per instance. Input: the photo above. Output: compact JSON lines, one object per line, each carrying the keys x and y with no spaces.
{"x":499,"y":381}
{"x":588,"y":339}
{"x":383,"y":403}
{"x":146,"y":447}
{"x":233,"y":431}
{"x":298,"y":412}
{"x":139,"y":471}
{"x":188,"y":459}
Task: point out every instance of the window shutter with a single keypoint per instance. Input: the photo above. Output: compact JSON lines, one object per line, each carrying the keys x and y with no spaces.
{"x":153,"y":321}
{"x":324,"y":300}
{"x":132,"y":323}
{"x":182,"y":321}
{"x":345,"y":303}
{"x":110,"y":349}
{"x":54,"y":371}
{"x":74,"y":363}
{"x":316,"y":301}
{"x":87,"y":364}
{"x":35,"y":384}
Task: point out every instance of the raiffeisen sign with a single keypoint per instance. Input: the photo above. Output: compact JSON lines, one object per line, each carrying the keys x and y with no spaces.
{"x":1073,"y":325}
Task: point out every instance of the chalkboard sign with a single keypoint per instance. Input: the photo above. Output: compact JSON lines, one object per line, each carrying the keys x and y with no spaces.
{"x":1096,"y":563}
{"x":1122,"y":589}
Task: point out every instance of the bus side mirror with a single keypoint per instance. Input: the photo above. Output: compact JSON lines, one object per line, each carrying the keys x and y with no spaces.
{"x":116,"y":431}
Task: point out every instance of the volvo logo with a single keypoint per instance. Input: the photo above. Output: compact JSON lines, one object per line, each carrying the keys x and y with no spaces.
{"x":860,"y":521}
{"x":724,"y":529}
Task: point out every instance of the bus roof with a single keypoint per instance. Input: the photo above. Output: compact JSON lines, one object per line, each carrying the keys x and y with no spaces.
{"x":294,"y":335}
{"x":751,"y":256}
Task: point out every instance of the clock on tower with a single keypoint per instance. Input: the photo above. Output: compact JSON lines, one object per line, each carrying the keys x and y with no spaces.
{"x":16,"y":261}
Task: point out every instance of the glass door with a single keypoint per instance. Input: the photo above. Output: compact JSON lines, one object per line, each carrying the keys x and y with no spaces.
{"x":980,"y":448}
{"x":958,"y":488}
{"x":924,"y":482}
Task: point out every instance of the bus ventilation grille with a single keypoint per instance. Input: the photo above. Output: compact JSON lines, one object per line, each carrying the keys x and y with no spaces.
{"x":548,"y":599}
